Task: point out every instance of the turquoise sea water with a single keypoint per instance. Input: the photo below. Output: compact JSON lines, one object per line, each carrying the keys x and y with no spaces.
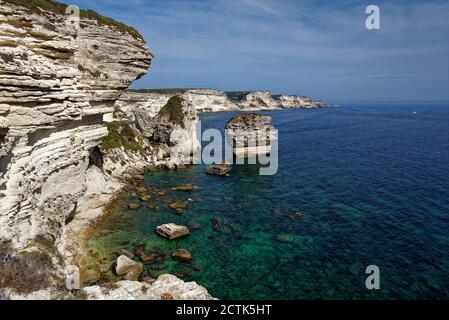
{"x":371,"y":181}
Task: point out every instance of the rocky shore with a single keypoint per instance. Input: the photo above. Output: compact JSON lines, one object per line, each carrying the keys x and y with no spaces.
{"x":66,"y":148}
{"x":72,"y":138}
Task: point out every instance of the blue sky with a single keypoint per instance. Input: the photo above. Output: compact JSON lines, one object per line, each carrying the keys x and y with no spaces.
{"x":316,"y":48}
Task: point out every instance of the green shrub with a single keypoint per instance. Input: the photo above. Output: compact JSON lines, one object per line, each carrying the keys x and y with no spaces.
{"x":120,"y":135}
{"x":172,"y":111}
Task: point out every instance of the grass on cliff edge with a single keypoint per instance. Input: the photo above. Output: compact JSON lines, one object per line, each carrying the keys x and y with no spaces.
{"x":120,"y":135}
{"x":172,"y":111}
{"x":49,"y":5}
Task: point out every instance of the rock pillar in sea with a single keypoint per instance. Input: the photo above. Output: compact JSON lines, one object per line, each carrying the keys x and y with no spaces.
{"x":250,"y":135}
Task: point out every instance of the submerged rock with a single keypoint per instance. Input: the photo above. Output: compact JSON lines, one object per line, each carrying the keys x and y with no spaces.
{"x":182,"y":255}
{"x":196,"y":267}
{"x":285,"y":238}
{"x":297,"y":216}
{"x":179,"y":212}
{"x":178,"y":204}
{"x":193,"y":226}
{"x":172,"y":231}
{"x":141,"y":189}
{"x":144,"y":198}
{"x":133,"y":206}
{"x":184,"y":187}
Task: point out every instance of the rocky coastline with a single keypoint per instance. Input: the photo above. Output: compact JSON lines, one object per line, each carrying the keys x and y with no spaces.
{"x":72,"y":138}
{"x":211,"y":100}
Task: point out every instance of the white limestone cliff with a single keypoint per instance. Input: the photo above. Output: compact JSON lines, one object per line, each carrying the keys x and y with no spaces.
{"x":210,"y":100}
{"x":58,"y":94}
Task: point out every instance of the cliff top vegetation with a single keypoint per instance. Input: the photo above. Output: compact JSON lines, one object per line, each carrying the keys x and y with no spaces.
{"x":35,"y":6}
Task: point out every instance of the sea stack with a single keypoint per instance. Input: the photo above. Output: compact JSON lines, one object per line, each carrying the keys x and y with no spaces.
{"x":250,"y":134}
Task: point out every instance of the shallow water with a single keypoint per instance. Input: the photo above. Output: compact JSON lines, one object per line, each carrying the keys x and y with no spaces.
{"x":371,"y":181}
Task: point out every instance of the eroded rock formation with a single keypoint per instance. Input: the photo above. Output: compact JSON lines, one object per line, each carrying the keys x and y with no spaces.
{"x":209,"y":100}
{"x":66,"y":146}
{"x":56,"y":90}
{"x":250,"y":134}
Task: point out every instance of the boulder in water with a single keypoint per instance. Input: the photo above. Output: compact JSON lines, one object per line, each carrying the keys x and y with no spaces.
{"x":184,"y":187}
{"x":172,"y":231}
{"x":178,"y":204}
{"x":133,"y":206}
{"x":218,"y":169}
{"x":144,"y":197}
{"x":125,"y":253}
{"x":181,"y":255}
{"x":250,"y":134}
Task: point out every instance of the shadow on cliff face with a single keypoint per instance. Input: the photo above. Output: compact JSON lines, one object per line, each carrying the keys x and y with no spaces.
{"x":96,"y":158}
{"x":28,"y":270}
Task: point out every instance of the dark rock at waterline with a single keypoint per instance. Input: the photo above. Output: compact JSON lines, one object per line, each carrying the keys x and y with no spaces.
{"x":179,"y":212}
{"x":218,"y":169}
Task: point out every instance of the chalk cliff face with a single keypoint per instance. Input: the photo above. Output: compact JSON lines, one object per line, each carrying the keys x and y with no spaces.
{"x":66,"y":144}
{"x":209,"y":100}
{"x":204,"y":100}
{"x":56,"y":90}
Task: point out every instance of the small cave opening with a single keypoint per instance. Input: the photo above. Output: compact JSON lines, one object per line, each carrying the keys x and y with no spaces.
{"x":3,"y":134}
{"x":96,"y":158}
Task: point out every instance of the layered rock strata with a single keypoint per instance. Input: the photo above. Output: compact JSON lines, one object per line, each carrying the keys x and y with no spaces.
{"x":250,"y":134}
{"x":56,"y":91}
{"x":209,"y":100}
{"x":66,"y":147}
